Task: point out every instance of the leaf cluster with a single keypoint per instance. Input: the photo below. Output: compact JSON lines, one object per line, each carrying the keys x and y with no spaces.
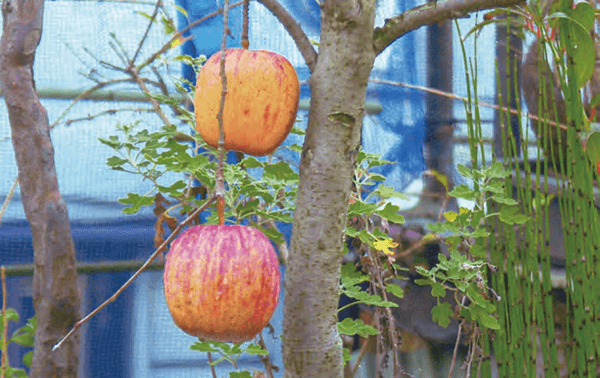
{"x":23,"y":336}
{"x":229,"y":352}
{"x":464,"y":271}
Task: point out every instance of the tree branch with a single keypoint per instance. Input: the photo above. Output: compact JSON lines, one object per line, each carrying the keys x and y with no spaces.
{"x":428,"y":14}
{"x":302,"y":42}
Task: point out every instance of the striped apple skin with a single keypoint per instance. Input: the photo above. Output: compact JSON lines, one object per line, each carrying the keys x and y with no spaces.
{"x":222,"y":282}
{"x":263,"y":94}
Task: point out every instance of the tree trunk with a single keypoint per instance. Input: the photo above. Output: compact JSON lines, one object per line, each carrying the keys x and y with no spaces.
{"x":55,"y":294}
{"x":311,"y":343}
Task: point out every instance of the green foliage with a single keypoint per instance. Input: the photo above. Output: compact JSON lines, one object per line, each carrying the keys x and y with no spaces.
{"x":23,"y":336}
{"x":462,"y":273}
{"x":229,"y":352}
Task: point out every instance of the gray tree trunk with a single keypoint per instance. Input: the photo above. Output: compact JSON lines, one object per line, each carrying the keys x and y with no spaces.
{"x":55,"y":294}
{"x":312,"y":346}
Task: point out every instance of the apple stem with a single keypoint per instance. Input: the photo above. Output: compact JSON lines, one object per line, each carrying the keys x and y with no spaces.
{"x":219,"y":182}
{"x":245,"y":41}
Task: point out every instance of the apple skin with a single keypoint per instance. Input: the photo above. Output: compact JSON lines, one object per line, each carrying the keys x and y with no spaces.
{"x":262,"y":99}
{"x":222,"y":282}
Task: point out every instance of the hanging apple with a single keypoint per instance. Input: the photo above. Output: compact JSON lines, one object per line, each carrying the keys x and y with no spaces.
{"x":261,"y":102}
{"x":222,"y":282}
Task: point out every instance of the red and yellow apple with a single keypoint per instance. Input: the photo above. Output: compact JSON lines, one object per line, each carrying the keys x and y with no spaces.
{"x":260,"y":105}
{"x":222,"y":282}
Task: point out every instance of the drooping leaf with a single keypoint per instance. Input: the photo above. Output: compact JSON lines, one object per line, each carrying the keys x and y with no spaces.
{"x":441,"y":314}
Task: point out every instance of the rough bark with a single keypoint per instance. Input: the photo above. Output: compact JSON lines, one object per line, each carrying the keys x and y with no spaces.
{"x":312,"y":346}
{"x":55,"y":295}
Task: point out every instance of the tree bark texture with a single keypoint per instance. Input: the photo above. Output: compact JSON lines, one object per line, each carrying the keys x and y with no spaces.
{"x":312,"y":346}
{"x":56,"y":297}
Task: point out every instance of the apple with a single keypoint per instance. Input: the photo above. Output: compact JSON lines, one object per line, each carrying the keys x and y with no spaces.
{"x":222,"y":282}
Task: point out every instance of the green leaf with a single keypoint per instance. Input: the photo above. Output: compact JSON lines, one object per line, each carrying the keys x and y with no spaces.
{"x":422,"y":282}
{"x":275,"y":236}
{"x":251,"y":162}
{"x":240,"y":374}
{"x":395,"y":290}
{"x":361,"y":208}
{"x":437,"y":289}
{"x":375,"y":300}
{"x":136,"y":201}
{"x":483,"y":317}
{"x":256,"y":350}
{"x":181,"y":10}
{"x":23,"y":340}
{"x":351,"y":231}
{"x":592,"y":148}
{"x":12,"y":315}
{"x":280,"y":171}
{"x":298,"y":131}
{"x":386,"y":192}
{"x":504,"y":200}
{"x":494,"y":187}
{"x":116,"y":162}
{"x":583,"y":56}
{"x":441,"y":314}
{"x":355,"y":327}
{"x":346,"y":355}
{"x":376,"y":177}
{"x":349,"y":270}
{"x":28,"y":359}
{"x":390,"y":212}
{"x":464,"y":171}
{"x":478,"y":233}
{"x":203,"y":346}
{"x":508,"y":215}
{"x":497,"y":171}
{"x":463,"y":191}
{"x":173,"y":190}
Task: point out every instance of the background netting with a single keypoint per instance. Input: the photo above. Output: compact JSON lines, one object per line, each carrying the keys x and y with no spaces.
{"x":135,"y":336}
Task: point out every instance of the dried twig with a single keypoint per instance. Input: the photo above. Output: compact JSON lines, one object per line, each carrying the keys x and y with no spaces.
{"x":162,"y":247}
{"x":8,"y":197}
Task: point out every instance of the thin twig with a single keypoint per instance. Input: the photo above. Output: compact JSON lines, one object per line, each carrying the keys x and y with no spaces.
{"x":8,"y":197}
{"x":162,"y":247}
{"x":219,"y":184}
{"x":83,"y":95}
{"x":141,"y":43}
{"x":456,"y":345}
{"x":361,"y":355}
{"x":212,"y":367}
{"x":265,"y":359}
{"x":106,"y":112}
{"x":134,"y":74}
{"x":245,"y":41}
{"x":4,"y":325}
{"x":179,"y":34}
{"x":460,"y":98}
